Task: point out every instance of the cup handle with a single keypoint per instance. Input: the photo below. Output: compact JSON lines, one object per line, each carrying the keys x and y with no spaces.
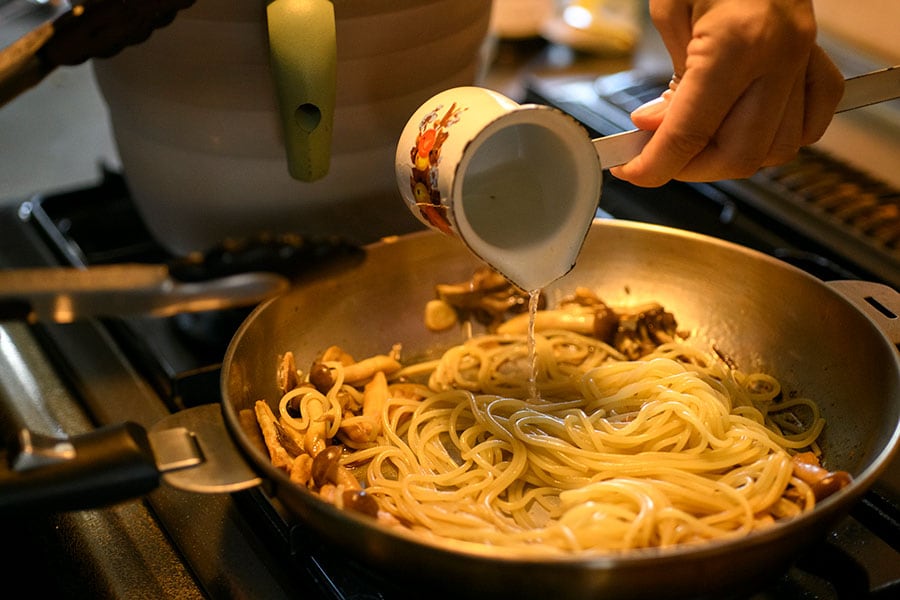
{"x":303,"y":58}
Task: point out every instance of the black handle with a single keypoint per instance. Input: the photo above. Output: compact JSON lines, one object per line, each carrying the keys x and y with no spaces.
{"x":89,"y":29}
{"x":288,"y":254}
{"x":91,"y":470}
{"x":102,"y":28}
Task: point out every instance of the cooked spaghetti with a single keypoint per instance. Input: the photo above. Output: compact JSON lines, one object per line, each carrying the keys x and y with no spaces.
{"x":609,"y":454}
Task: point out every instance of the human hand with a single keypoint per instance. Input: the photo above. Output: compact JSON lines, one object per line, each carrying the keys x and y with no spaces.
{"x":754,"y":87}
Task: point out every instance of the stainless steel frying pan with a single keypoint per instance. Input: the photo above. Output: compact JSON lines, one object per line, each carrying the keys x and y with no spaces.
{"x":762,"y":313}
{"x":835,"y":342}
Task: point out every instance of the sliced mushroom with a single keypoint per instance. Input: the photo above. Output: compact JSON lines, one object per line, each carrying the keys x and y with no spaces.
{"x":606,"y":320}
{"x":327,"y":469}
{"x":361,"y":502}
{"x":362,"y":371}
{"x":315,"y":441}
{"x":337,"y":354}
{"x":280,"y":457}
{"x":822,"y":481}
{"x":439,"y":315}
{"x":368,"y":426}
{"x":641,"y":330}
{"x":287,"y":376}
{"x":301,"y":470}
{"x":324,"y":466}
{"x":578,"y":320}
{"x":487,"y":297}
{"x":321,"y":377}
{"x":290,"y":438}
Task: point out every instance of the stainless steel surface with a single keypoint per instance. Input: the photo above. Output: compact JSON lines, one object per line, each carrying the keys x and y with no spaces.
{"x":67,"y":294}
{"x":862,"y":90}
{"x":197,"y":441}
{"x":879,"y":302}
{"x":618,"y":148}
{"x":760,"y":312}
{"x":870,"y":88}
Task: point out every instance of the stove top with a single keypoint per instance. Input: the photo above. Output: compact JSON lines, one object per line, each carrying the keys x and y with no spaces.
{"x":68,"y":379}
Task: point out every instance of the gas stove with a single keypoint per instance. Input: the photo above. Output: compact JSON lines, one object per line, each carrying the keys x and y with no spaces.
{"x":68,"y":379}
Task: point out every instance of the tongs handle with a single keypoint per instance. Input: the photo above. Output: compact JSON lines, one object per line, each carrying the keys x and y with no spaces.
{"x":870,"y":88}
{"x":859,"y":91}
{"x":89,"y":29}
{"x":65,"y":294}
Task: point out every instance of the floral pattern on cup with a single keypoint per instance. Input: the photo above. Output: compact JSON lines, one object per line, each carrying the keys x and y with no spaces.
{"x":426,"y":157}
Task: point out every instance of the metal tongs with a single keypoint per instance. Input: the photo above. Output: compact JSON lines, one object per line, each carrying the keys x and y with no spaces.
{"x":235,"y":274}
{"x":89,"y":29}
{"x":64,"y":295}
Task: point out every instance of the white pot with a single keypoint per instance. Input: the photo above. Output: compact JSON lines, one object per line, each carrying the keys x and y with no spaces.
{"x":195,"y":118}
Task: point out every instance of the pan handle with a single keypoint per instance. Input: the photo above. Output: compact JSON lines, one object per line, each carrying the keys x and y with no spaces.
{"x":880,"y":302}
{"x":103,"y":466}
{"x":190,"y":450}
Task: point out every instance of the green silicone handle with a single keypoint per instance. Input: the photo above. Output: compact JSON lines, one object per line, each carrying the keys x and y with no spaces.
{"x":304,"y":61}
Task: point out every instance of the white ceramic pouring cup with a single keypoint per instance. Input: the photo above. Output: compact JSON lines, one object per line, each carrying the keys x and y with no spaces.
{"x":518,"y":184}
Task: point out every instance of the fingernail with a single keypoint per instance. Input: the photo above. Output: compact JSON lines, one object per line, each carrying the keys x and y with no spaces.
{"x":651,"y":108}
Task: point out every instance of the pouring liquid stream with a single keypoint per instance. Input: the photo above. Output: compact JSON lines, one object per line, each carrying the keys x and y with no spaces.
{"x":534,"y":394}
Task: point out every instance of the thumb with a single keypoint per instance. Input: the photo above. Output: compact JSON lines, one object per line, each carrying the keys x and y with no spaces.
{"x":650,"y":115}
